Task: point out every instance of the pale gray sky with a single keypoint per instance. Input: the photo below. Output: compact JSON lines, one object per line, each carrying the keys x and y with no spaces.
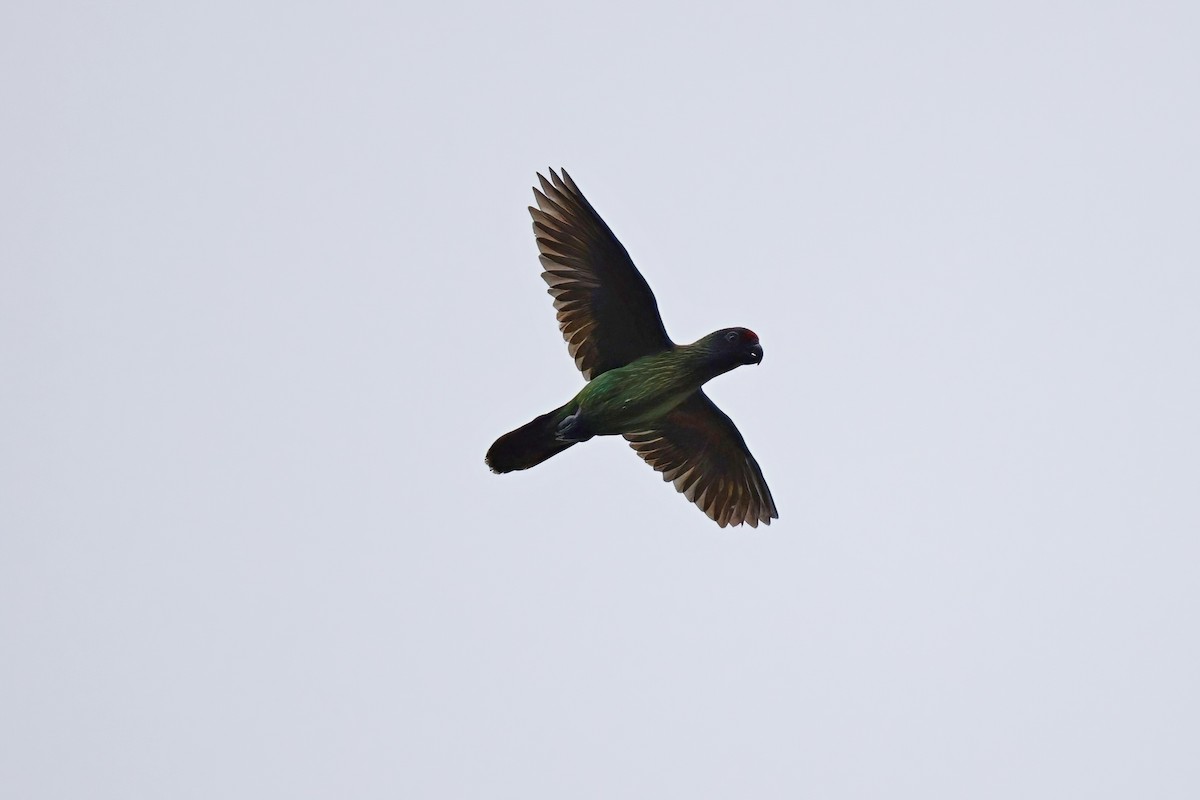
{"x":268,"y":291}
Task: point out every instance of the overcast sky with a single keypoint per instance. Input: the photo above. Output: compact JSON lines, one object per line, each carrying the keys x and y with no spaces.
{"x":268,"y":291}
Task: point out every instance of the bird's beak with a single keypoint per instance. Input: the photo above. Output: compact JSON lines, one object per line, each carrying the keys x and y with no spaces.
{"x":756,"y":354}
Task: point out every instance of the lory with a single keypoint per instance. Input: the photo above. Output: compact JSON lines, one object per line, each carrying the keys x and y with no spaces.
{"x":641,"y":385}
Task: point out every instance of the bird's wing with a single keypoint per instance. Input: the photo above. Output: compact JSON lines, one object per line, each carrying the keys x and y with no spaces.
{"x":698,"y":447}
{"x":606,"y":310}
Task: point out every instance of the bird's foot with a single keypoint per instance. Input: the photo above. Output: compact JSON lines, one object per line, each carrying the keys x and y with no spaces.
{"x":572,"y":429}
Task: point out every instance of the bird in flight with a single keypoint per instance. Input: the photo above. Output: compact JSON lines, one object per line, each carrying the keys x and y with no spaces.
{"x":640,"y":384}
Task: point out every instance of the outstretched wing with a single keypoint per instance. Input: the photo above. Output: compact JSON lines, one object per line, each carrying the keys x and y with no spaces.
{"x":698,"y":447}
{"x":606,"y":310}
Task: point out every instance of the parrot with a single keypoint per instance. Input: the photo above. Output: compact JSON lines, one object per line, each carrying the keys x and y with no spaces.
{"x":639,"y":383}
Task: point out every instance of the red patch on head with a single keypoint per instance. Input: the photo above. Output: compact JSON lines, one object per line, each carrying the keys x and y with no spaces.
{"x":749,"y":336}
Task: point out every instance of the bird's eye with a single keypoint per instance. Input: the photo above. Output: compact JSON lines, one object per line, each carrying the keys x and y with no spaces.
{"x":731,"y":336}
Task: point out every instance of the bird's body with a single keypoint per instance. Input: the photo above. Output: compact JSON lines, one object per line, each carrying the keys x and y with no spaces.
{"x":631,"y":398}
{"x":641,"y":385}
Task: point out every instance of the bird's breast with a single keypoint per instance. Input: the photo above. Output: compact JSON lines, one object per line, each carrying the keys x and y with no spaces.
{"x":627,"y":400}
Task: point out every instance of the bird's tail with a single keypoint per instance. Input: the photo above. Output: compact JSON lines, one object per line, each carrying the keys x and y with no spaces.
{"x":529,"y":445}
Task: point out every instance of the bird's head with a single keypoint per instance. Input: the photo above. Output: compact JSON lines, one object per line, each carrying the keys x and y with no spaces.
{"x":736,"y":345}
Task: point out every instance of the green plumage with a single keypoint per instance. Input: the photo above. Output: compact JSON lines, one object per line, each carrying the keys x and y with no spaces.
{"x":633,"y":397}
{"x":641,"y":385}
